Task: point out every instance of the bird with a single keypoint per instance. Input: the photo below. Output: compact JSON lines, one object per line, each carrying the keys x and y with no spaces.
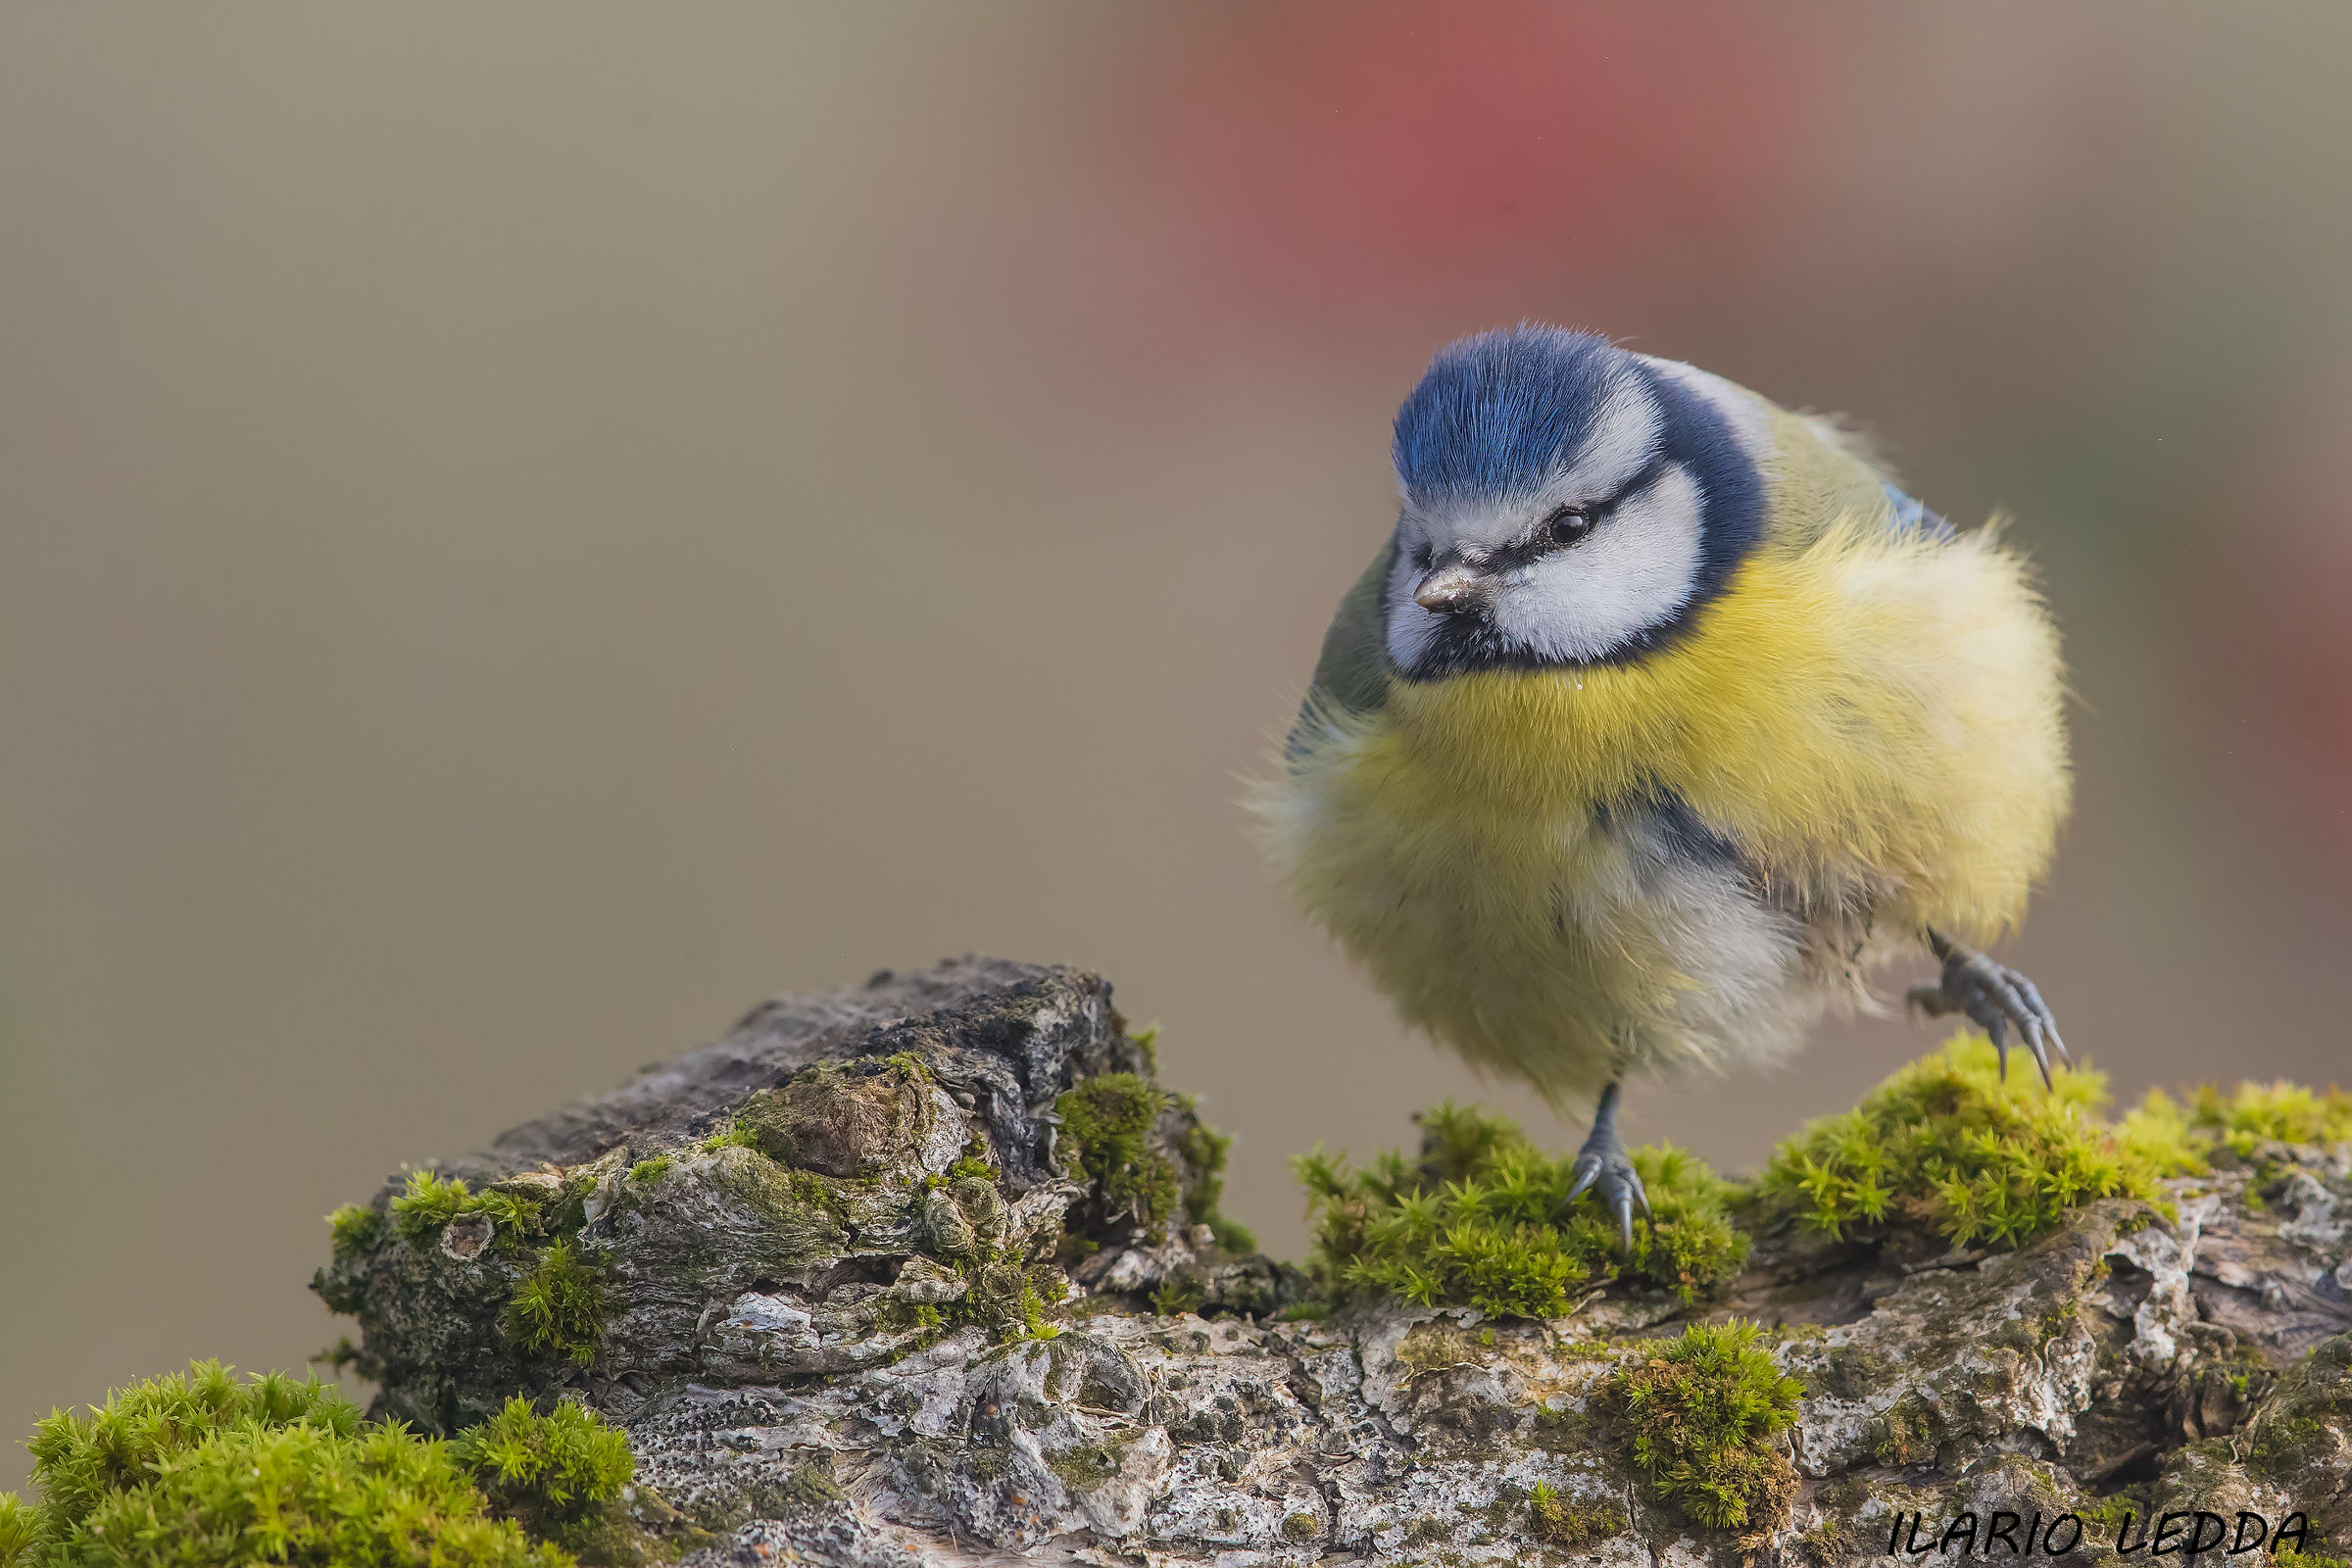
{"x":1661,"y":719}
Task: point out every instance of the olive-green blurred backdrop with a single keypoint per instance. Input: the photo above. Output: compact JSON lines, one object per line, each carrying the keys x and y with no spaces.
{"x":524,"y":529}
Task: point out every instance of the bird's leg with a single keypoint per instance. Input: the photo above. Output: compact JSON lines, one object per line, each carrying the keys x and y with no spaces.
{"x":1993,"y":995}
{"x":1603,"y":1159}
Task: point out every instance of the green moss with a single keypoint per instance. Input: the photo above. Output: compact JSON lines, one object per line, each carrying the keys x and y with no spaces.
{"x":844,"y":1119}
{"x":1483,"y":1219}
{"x":557,"y":1474}
{"x":1206,"y":1149}
{"x":1176,"y":1296}
{"x":816,"y":1194}
{"x":1106,"y":1128}
{"x":1828,"y":1541}
{"x":1002,"y":1295}
{"x":813,"y":1486}
{"x":735,"y":1135}
{"x":1435,"y":1346}
{"x":199,"y":1469}
{"x":971,"y":1165}
{"x":1907,"y":1433}
{"x":1150,"y":1160}
{"x":1569,"y":1525}
{"x":2241,"y":1119}
{"x":427,"y":1208}
{"x":803,"y":1214}
{"x":2287,"y":1447}
{"x":515,"y":1220}
{"x":22,"y":1531}
{"x":343,"y":1354}
{"x":1945,"y":1145}
{"x":428,"y":1205}
{"x":2103,"y":1517}
{"x":1948,"y":1147}
{"x":896,"y":1314}
{"x":1702,"y":1410}
{"x":2156,"y":1132}
{"x":558,"y":1309}
{"x":1024,"y":1316}
{"x":1086,"y":1467}
{"x":652,"y":1170}
{"x":1301,"y":1527}
{"x":1232,"y":1235}
{"x":1147,"y":1044}
{"x":1561,"y":1431}
{"x":354,"y":1231}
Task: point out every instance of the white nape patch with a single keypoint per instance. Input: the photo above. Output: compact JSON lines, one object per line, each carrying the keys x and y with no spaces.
{"x":1638,"y":569}
{"x":1748,"y":415}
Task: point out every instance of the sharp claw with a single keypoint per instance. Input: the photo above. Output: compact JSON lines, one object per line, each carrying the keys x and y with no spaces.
{"x":1993,"y":996}
{"x":1641,"y":1197}
{"x":2041,"y":1057}
{"x":1586,"y":1176}
{"x":1624,"y":1220}
{"x":2044,"y":1016}
{"x":2007,"y":998}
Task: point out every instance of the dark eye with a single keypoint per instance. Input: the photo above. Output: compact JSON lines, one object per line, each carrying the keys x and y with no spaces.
{"x":1568,"y":526}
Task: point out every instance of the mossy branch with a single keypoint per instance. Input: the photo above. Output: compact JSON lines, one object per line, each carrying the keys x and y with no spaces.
{"x":1703,"y":1410}
{"x":199,"y":1469}
{"x":558,"y":1309}
{"x":1483,"y":1219}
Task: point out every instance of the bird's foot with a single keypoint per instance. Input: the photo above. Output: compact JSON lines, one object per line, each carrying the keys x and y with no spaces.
{"x":1993,"y":996}
{"x":1602,"y":1163}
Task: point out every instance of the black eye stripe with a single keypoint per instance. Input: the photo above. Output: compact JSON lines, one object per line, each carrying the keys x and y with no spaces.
{"x":1727,"y":491}
{"x":1540,"y":541}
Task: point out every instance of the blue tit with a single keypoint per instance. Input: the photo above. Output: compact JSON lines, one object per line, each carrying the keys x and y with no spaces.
{"x":1661,"y":718}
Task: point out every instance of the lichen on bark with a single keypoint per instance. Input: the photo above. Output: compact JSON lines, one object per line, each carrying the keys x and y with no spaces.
{"x":933,"y":1270}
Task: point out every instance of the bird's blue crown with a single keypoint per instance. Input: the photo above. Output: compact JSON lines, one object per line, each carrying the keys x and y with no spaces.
{"x":1496,"y":414}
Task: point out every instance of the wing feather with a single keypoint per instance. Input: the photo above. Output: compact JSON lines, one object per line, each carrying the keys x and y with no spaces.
{"x":1353,"y":674}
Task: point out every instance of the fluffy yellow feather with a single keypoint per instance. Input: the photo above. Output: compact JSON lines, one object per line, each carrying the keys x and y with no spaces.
{"x":1870,"y":716}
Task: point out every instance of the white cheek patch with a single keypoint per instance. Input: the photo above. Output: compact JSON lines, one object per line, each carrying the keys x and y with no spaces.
{"x":1638,"y":569}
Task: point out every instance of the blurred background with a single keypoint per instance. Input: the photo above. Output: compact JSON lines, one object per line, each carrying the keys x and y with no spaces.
{"x":525,"y":530}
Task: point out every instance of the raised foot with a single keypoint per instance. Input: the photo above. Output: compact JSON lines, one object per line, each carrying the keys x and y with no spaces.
{"x":1993,"y":996}
{"x":1602,"y":1161}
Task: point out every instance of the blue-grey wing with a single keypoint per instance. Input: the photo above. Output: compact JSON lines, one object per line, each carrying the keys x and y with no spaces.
{"x":1353,"y":673}
{"x":1911,"y":516}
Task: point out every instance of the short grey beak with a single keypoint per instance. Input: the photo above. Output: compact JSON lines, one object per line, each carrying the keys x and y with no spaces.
{"x":1449,"y":589}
